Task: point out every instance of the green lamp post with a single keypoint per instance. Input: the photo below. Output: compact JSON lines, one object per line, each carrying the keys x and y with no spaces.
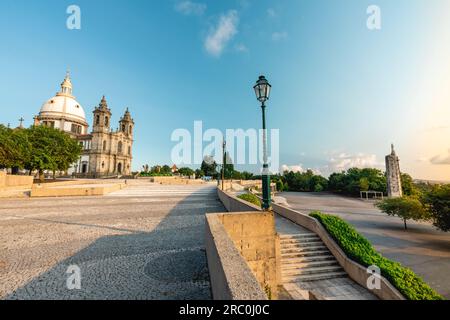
{"x":262,"y":90}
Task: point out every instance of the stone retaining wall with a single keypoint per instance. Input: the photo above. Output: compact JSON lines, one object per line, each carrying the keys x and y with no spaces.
{"x":234,"y":204}
{"x":11,"y":181}
{"x":75,"y":191}
{"x":231,"y":277}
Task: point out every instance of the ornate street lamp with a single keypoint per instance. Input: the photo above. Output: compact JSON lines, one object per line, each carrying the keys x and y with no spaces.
{"x":262,"y":90}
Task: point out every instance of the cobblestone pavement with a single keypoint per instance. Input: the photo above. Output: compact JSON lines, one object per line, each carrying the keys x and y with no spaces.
{"x":144,"y":242}
{"x":422,"y":248}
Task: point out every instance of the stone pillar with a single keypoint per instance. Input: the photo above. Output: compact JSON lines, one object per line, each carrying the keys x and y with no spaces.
{"x":393,"y":175}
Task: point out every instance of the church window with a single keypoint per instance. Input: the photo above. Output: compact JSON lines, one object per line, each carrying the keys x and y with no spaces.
{"x":97,"y":120}
{"x":119,"y":147}
{"x":104,"y":145}
{"x":75,"y":128}
{"x":131,"y":130}
{"x":129,"y":150}
{"x":106,"y":121}
{"x":123,"y":128}
{"x":103,"y":164}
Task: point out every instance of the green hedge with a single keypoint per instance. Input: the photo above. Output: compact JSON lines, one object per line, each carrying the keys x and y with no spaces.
{"x":360,"y":250}
{"x":250,"y":197}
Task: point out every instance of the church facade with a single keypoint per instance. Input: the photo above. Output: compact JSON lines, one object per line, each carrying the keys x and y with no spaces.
{"x":106,"y":152}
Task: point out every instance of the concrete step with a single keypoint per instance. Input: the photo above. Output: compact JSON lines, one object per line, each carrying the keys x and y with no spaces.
{"x":297,"y":236}
{"x":299,"y":254}
{"x":304,"y":239}
{"x":314,"y":277}
{"x":301,"y":244}
{"x":291,"y":261}
{"x":304,"y":249}
{"x":312,"y":270}
{"x":294,"y":266}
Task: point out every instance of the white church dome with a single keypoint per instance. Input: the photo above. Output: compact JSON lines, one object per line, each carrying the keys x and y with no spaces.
{"x":61,"y":105}
{"x":64,"y":105}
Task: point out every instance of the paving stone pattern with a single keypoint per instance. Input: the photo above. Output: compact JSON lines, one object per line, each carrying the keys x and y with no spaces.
{"x":144,"y":242}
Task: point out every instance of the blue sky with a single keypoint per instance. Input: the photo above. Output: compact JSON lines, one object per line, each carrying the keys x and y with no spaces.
{"x":341,"y":92}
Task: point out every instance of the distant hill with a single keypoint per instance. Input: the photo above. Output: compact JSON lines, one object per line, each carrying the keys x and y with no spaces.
{"x":432,"y":181}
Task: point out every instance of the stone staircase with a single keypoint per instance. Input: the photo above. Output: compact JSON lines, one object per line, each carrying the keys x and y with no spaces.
{"x":304,"y":257}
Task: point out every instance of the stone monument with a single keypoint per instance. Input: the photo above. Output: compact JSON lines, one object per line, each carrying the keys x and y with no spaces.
{"x":394,"y":182}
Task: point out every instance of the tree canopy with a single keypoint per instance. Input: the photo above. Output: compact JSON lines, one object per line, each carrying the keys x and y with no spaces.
{"x":37,"y":148}
{"x":354,"y":180}
{"x":406,"y":208}
{"x":209,"y":167}
{"x":438,"y":200}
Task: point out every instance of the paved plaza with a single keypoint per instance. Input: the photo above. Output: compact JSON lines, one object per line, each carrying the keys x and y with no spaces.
{"x":144,"y":242}
{"x":422,"y":248}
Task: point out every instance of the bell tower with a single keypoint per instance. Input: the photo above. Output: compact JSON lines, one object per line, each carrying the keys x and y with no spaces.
{"x":102,"y":117}
{"x":126,"y":124}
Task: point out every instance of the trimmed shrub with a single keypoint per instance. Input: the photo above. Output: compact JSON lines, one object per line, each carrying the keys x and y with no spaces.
{"x":250,"y":197}
{"x":360,"y":250}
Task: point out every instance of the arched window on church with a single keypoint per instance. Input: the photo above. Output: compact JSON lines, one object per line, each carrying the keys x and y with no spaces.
{"x":119,"y":147}
{"x":131,"y":130}
{"x":123,"y":128}
{"x":104,"y":145}
{"x":97,"y":120}
{"x":106,"y":121}
{"x":129,"y":150}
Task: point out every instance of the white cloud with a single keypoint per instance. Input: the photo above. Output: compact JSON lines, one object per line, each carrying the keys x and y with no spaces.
{"x":271,"y":13}
{"x":345,"y":161}
{"x":298,"y":168}
{"x":278,"y":36}
{"x":441,"y":159}
{"x":221,"y":35}
{"x":190,"y":8}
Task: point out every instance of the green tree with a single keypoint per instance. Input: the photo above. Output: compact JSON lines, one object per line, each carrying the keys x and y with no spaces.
{"x":246,"y":175}
{"x":51,"y":149}
{"x":209,"y":167}
{"x":236,"y":175}
{"x":304,"y":181}
{"x":438,"y":200}
{"x":187,"y":172}
{"x":364,"y":184}
{"x":354,"y":180}
{"x":280,"y":185}
{"x":15,"y":148}
{"x":165,"y":169}
{"x":406,"y":208}
{"x":409,"y":189}
{"x":199,"y":174}
{"x":67,"y":151}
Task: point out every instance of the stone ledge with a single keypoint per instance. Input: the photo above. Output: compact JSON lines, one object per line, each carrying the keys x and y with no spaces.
{"x":231,"y":277}
{"x":75,"y":191}
{"x":11,"y":182}
{"x":234,"y":204}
